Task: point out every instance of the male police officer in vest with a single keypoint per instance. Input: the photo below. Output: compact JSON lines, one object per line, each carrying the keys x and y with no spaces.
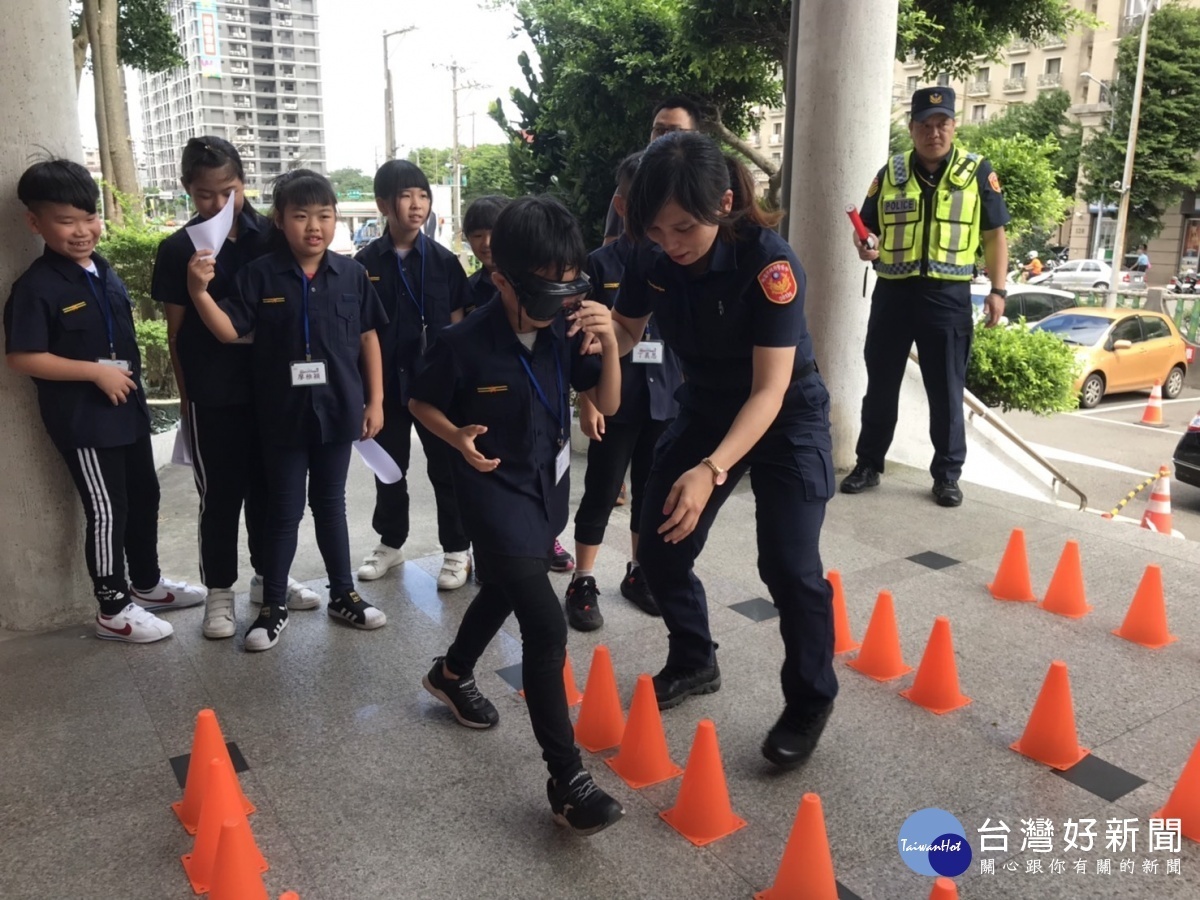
{"x":928,"y":211}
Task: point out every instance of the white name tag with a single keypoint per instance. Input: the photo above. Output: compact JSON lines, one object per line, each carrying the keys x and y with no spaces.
{"x":118,"y":363}
{"x":309,"y":373}
{"x":648,"y":353}
{"x":562,"y":462}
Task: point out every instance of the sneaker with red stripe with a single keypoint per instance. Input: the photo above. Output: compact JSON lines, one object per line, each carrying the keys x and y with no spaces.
{"x":168,"y":594}
{"x":133,"y":625}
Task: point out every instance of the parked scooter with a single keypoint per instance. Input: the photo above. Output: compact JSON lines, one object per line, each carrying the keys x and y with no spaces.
{"x":1184,"y":283}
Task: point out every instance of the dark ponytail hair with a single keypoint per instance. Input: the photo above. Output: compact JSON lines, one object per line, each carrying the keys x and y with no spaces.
{"x":690,"y":169}
{"x":208,"y":152}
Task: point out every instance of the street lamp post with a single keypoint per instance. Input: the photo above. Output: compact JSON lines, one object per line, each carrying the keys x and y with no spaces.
{"x":389,"y":121}
{"x":1105,"y":88}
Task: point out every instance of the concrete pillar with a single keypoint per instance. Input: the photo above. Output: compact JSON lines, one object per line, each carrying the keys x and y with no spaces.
{"x":44,"y":580}
{"x":842,"y":101}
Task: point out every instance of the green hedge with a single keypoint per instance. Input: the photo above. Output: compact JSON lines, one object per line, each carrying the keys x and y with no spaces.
{"x":1015,"y":368}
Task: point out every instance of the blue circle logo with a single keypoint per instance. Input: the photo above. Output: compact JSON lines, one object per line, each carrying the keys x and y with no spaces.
{"x":933,"y":842}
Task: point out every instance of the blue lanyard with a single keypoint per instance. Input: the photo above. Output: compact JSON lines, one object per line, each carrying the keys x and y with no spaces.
{"x":105,"y":311}
{"x":561,"y":415}
{"x":418,"y":300}
{"x":307,"y":346}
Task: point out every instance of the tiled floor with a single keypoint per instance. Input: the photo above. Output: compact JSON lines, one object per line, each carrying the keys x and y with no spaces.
{"x":366,"y":788}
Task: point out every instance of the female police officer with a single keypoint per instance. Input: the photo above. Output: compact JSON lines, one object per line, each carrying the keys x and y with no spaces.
{"x":728,"y":295}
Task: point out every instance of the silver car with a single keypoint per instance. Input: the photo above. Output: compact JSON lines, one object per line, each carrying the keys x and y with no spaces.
{"x":1088,"y":275}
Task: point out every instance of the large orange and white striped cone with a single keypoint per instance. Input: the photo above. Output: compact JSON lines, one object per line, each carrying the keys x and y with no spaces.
{"x":1153,"y":414}
{"x":1158,"y":512}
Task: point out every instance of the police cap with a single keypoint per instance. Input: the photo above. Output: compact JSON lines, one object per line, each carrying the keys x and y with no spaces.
{"x":932,"y":101}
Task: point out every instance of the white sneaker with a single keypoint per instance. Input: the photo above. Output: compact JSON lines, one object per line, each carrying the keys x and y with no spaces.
{"x":219,"y":618}
{"x":455,"y":569}
{"x":298,"y":595}
{"x":168,"y":594}
{"x":382,"y":559}
{"x":134,"y":625}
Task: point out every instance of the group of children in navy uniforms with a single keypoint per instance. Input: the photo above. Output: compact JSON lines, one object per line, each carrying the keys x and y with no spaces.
{"x":304,"y":352}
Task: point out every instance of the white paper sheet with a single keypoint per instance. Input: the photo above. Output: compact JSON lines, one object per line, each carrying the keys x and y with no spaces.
{"x":378,"y":461}
{"x":181,"y":455}
{"x":211,"y":233}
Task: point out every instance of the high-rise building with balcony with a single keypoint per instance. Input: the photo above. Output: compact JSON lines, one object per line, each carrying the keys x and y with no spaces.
{"x":252,"y":75}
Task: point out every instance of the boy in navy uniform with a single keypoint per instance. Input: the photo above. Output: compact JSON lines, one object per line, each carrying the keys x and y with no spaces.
{"x":478,"y":222}
{"x":650,"y":375}
{"x":495,"y":388}
{"x":69,"y":326}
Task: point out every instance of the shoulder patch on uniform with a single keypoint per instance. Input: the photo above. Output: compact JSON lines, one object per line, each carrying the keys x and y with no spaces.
{"x":661,"y":290}
{"x":273,"y":299}
{"x":874,"y":188}
{"x":778,"y":282}
{"x":74,"y":306}
{"x":492,"y":389}
{"x":994,"y":181}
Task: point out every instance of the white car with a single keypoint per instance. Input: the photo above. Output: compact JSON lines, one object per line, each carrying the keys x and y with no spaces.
{"x":1033,"y":301}
{"x":1089,"y":275}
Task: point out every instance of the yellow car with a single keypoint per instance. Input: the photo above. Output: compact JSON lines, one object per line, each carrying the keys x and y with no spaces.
{"x":1121,"y":350}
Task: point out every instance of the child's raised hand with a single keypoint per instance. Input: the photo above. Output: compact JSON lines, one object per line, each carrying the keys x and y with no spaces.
{"x":464,"y":442}
{"x":594,"y":319}
{"x":115,"y":382}
{"x":201,"y":268}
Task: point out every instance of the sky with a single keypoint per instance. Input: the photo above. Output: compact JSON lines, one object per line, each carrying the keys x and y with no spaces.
{"x":472,"y":33}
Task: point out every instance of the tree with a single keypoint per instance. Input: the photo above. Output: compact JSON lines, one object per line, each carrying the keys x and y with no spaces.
{"x":486,"y":171}
{"x":1166,"y":164}
{"x":1025,"y":167}
{"x":346,"y":180}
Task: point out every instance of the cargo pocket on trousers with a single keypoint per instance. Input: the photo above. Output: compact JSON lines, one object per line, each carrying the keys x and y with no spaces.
{"x":816,"y":472}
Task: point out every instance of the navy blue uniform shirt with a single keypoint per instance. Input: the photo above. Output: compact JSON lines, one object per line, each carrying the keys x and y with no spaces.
{"x":752,"y":295}
{"x":480,"y":289}
{"x":214,"y":373}
{"x":58,"y":307}
{"x":647,"y":391}
{"x":475,"y":376}
{"x":993,"y":214}
{"x":342,"y":306}
{"x":433,"y":280}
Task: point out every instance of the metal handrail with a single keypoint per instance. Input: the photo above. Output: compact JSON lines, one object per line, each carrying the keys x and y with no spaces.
{"x":978,"y":409}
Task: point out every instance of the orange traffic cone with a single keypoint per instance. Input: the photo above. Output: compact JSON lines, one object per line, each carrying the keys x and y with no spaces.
{"x":207,"y":742}
{"x":1066,"y":596}
{"x":1050,"y":735}
{"x":574,"y":698}
{"x":1012,"y":578}
{"x":235,"y":875}
{"x":843,"y":640}
{"x":1153,"y":415}
{"x":289,"y":895}
{"x":1158,"y":511}
{"x":1146,"y":621}
{"x":600,"y":724}
{"x":944,"y":889}
{"x":806,"y":870}
{"x":936,"y":684}
{"x":221,"y":802}
{"x":702,"y":813}
{"x":880,"y":657}
{"x":1184,"y":802}
{"x":643,"y":759}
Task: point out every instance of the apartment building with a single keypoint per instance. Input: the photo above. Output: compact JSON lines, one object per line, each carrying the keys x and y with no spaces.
{"x":252,"y":76}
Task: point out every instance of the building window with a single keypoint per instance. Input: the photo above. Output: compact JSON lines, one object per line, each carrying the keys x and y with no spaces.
{"x":978,"y":113}
{"x":983,"y":74}
{"x":1017,"y":70}
{"x":913,"y":83}
{"x":943,"y":80}
{"x":1054,"y":66}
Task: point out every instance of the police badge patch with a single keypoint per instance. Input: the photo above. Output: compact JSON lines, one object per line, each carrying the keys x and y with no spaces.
{"x":994,"y":182}
{"x":778,"y":282}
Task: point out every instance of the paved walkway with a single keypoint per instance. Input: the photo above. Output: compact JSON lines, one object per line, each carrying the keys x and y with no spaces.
{"x":366,"y":788}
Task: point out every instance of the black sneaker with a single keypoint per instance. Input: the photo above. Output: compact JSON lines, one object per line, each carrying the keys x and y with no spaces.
{"x":583,"y":604}
{"x":636,"y":591}
{"x":581,"y":805}
{"x":947,"y":493}
{"x":263,"y":633}
{"x":354,"y":610}
{"x":860,"y":478}
{"x":792,"y":740}
{"x":469,"y":706}
{"x":674,"y":683}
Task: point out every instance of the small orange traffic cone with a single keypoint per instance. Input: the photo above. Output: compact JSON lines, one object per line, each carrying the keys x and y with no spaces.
{"x":221,"y":802}
{"x":289,"y":895}
{"x":843,"y":640}
{"x":207,"y":742}
{"x":1065,"y":596}
{"x":643,"y":759}
{"x":1153,"y":415}
{"x":936,"y":685}
{"x":1158,"y":511}
{"x":1012,"y":578}
{"x":600,"y":723}
{"x":944,"y":889}
{"x":235,"y":875}
{"x":1146,"y":621}
{"x":702,"y":813}
{"x":1050,"y":735}
{"x":1184,"y":802}
{"x":574,"y":698}
{"x":806,"y":870}
{"x":880,"y":657}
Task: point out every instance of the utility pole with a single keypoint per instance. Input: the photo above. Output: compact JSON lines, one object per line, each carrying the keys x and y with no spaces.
{"x":389,"y":121}
{"x":456,"y":152}
{"x":1108,"y":90}
{"x":1130,"y":151}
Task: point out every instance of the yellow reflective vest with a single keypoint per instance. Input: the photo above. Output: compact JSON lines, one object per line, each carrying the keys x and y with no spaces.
{"x":953,"y":222}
